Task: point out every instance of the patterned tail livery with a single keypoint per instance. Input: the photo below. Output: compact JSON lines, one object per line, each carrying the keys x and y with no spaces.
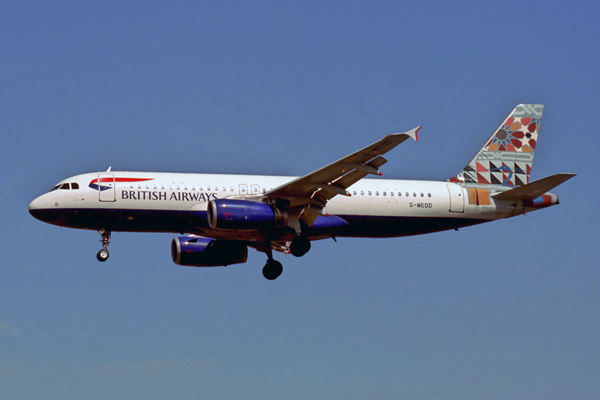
{"x":507,"y":157}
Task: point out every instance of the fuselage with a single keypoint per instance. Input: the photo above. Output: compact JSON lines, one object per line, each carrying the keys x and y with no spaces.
{"x":177,"y":202}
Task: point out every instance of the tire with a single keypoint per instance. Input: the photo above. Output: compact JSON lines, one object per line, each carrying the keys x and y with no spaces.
{"x":272,"y":270}
{"x":102,"y":255}
{"x":299,"y":246}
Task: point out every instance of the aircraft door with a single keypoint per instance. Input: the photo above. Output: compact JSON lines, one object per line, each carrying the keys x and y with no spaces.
{"x":457,"y":198}
{"x":106,"y":187}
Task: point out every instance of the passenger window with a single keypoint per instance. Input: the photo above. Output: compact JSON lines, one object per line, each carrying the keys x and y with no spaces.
{"x":64,"y":186}
{"x":385,"y":193}
{"x":74,"y":185}
{"x":354,"y":193}
{"x":392,"y":194}
{"x":407,"y":194}
{"x":422,"y":195}
{"x":428,"y":194}
{"x":369,"y":192}
{"x":362,"y":193}
{"x":414,"y":194}
{"x":376,"y":193}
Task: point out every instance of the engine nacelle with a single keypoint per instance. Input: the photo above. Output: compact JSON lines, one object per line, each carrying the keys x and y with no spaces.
{"x":232,"y":214}
{"x":204,"y":252}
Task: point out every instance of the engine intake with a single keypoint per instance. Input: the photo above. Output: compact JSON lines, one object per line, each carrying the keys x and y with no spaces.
{"x":231,"y":214}
{"x":205,"y":252}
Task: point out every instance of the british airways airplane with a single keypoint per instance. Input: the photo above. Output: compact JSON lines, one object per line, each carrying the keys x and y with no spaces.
{"x":223,"y":215}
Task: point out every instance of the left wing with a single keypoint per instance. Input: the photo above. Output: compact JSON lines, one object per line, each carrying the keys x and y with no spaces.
{"x":309,"y":194}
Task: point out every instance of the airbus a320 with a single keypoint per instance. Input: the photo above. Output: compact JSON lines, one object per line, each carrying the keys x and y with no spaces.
{"x":220,"y":216}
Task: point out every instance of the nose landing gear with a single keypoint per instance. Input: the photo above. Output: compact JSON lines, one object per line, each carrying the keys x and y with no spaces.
{"x":103,"y":253}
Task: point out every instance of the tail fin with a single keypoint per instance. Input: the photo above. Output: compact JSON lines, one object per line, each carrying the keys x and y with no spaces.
{"x":507,"y":157}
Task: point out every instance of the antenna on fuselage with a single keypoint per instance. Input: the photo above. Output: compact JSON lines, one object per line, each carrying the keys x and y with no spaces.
{"x":108,"y":170}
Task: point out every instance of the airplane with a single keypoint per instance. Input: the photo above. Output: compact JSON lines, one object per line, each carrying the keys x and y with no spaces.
{"x":220,"y":216}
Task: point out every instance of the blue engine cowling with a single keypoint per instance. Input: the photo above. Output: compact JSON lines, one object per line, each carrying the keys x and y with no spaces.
{"x":204,"y":252}
{"x":231,"y":214}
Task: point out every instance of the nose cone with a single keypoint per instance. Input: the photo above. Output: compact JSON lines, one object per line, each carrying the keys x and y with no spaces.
{"x":35,"y":206}
{"x":40,"y":209}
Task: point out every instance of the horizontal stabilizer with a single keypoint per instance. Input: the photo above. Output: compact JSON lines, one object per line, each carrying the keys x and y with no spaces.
{"x":535,"y":189}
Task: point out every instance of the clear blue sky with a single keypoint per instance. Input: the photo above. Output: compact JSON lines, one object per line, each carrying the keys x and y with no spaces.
{"x":502,"y":310}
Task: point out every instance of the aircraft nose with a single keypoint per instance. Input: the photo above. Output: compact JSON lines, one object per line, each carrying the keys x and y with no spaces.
{"x":34,"y":206}
{"x":38,"y":208}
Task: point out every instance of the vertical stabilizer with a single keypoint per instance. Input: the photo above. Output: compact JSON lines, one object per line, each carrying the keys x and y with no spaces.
{"x":507,"y":157}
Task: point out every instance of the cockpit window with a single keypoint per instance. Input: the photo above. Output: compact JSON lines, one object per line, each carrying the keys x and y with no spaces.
{"x":74,"y":185}
{"x":54,"y":188}
{"x":64,"y":186}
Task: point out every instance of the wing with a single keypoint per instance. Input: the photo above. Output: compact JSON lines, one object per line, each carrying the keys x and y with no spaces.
{"x":309,"y":194}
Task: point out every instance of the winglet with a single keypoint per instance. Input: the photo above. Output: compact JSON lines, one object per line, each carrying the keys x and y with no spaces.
{"x":413,"y":133}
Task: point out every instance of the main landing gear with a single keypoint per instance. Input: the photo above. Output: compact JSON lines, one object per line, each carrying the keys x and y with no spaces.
{"x":103,"y":253}
{"x":272,"y":269}
{"x":300,"y":246}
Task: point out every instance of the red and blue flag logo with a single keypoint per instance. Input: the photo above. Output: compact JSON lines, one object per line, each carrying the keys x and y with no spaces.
{"x":96,"y":184}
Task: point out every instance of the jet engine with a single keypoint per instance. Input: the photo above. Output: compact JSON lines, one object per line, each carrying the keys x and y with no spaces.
{"x":231,"y":214}
{"x":204,"y":252}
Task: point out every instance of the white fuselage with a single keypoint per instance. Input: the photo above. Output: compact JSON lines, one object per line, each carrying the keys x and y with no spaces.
{"x":149,"y":201}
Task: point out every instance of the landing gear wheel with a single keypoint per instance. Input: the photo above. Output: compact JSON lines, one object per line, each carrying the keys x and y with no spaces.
{"x":300,"y":246}
{"x":102,"y":255}
{"x":272,"y":269}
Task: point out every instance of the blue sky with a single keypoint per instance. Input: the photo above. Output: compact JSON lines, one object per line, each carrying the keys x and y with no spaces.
{"x":496,"y":311}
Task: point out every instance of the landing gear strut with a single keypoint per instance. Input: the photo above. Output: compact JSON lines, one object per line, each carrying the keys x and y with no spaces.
{"x":103,"y":253}
{"x":272,"y":268}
